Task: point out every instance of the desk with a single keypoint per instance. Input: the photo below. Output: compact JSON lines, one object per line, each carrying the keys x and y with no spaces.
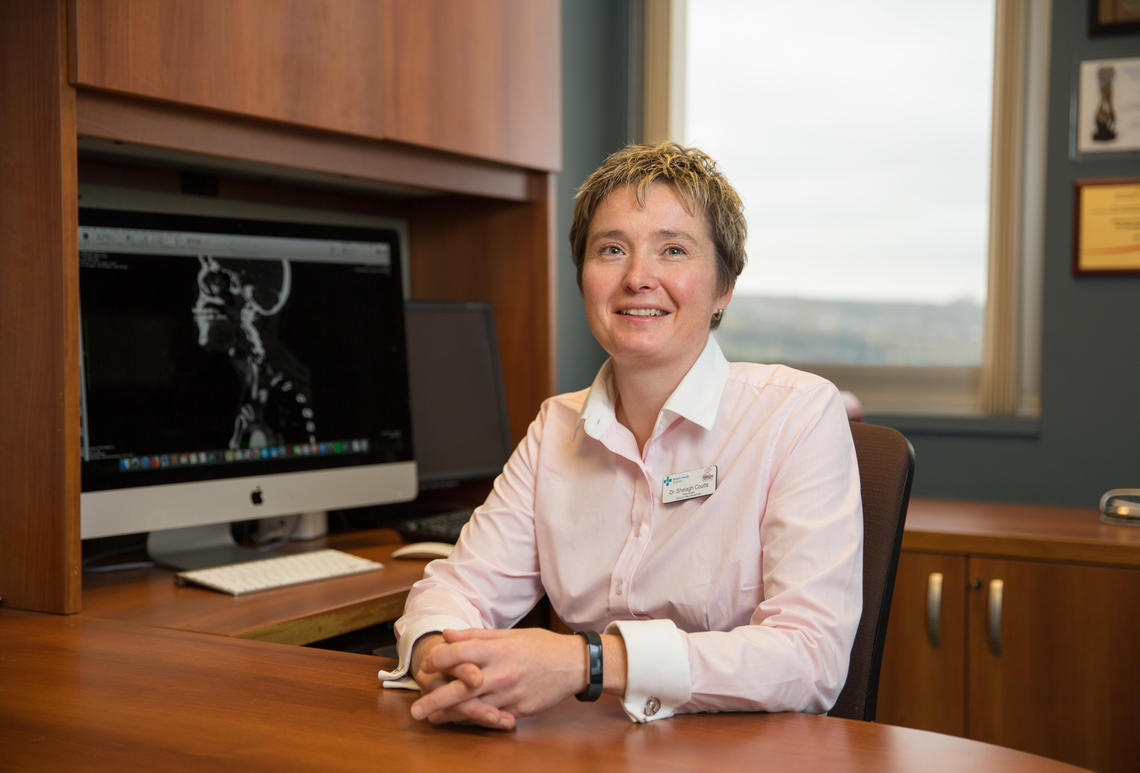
{"x":295,"y":615}
{"x":85,"y":694}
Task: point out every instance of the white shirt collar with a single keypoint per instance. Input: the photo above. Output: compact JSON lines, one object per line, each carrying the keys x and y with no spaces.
{"x":696,"y":398}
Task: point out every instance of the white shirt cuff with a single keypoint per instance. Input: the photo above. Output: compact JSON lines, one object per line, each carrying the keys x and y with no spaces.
{"x":399,"y":678}
{"x":657,"y":668}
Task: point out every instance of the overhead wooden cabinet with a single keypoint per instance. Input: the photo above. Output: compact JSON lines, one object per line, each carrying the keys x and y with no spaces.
{"x":474,"y":78}
{"x":1022,"y":632}
{"x":443,"y":113}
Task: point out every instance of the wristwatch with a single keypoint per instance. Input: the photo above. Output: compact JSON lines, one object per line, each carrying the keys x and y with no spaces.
{"x":593,"y":666}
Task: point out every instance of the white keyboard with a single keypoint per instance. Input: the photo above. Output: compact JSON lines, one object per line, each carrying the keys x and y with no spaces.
{"x":278,"y":572}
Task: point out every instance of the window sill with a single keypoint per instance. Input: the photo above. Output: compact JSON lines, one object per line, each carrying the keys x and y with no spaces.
{"x":978,"y":426}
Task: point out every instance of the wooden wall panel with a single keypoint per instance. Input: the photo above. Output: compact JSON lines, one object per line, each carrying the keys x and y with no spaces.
{"x":39,"y":358}
{"x":310,"y":62}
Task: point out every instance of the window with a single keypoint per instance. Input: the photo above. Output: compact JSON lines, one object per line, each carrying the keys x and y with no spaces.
{"x":882,"y":151}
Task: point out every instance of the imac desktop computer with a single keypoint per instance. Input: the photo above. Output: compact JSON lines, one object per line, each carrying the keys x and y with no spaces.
{"x":237,"y":369}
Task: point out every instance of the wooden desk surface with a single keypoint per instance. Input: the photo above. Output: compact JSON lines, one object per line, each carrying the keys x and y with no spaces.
{"x":85,"y":694}
{"x":296,"y":615}
{"x":1019,"y":531}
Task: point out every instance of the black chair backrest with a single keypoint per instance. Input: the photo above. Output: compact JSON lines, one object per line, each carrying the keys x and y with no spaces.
{"x":886,"y":468}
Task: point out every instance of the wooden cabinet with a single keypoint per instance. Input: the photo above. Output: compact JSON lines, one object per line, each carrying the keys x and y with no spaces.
{"x":1055,"y":669}
{"x":1030,"y":641}
{"x":476,"y":78}
{"x":305,"y":62}
{"x":445,"y":113}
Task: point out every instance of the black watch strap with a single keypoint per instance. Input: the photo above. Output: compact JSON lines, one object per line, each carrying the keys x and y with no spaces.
{"x":593,"y":666}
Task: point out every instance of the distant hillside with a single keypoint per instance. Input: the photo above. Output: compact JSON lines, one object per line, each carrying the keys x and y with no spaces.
{"x":794,"y":330}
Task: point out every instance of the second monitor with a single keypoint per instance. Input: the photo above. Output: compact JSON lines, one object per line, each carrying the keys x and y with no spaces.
{"x":459,"y":419}
{"x":459,"y":416}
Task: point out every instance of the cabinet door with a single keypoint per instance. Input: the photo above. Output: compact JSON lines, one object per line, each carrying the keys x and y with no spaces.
{"x":310,"y":62}
{"x":923,"y":679}
{"x":478,"y":78}
{"x":1055,"y":670}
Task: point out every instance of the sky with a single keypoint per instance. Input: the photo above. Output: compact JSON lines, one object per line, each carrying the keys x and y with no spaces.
{"x":857,"y":134}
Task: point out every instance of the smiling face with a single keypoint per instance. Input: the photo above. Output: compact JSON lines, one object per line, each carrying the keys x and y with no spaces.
{"x":649,"y":279}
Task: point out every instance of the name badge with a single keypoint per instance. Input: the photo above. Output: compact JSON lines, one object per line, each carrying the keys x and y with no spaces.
{"x":688,"y":485}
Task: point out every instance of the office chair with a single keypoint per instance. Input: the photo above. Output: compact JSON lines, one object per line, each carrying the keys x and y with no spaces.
{"x":886,"y":468}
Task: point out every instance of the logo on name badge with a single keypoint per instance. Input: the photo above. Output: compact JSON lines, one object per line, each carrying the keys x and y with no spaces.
{"x":688,"y":485}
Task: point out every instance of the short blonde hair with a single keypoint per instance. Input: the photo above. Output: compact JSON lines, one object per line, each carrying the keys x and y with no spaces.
{"x":696,"y":178}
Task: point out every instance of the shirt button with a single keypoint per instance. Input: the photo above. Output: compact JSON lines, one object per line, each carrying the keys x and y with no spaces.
{"x":643,"y":532}
{"x":617,"y":588}
{"x":652,"y":706}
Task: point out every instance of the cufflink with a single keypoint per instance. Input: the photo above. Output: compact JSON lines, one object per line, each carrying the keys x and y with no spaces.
{"x":652,"y":706}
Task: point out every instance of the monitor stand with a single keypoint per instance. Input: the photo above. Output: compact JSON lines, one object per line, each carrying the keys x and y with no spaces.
{"x":198,"y":547}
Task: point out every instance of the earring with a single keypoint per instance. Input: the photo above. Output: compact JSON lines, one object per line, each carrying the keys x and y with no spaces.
{"x":717,"y":315}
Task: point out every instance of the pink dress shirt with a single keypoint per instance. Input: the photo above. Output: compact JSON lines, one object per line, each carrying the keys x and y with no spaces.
{"x":746,"y":599}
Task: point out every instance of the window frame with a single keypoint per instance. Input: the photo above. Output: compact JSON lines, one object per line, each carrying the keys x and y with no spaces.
{"x":1007,"y":382}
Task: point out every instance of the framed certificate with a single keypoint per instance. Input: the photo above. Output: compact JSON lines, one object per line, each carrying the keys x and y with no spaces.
{"x":1106,"y":232}
{"x":1113,"y":16}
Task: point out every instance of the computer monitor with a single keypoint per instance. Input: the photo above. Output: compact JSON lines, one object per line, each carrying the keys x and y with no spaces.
{"x":459,"y":413}
{"x":235,"y":369}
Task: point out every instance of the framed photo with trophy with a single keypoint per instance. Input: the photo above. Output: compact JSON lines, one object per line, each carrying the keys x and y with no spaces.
{"x":1107,"y":110}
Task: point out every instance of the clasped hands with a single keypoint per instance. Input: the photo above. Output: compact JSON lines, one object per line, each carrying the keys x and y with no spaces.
{"x":493,"y":677}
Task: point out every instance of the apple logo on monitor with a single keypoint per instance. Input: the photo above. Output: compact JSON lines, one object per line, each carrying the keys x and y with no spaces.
{"x":255,"y":496}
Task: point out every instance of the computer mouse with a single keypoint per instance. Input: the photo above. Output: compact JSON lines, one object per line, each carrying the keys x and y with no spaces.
{"x":422,"y":550}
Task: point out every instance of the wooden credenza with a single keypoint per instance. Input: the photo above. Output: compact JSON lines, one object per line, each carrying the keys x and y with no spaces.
{"x":1017,"y":625}
{"x":444,"y":113}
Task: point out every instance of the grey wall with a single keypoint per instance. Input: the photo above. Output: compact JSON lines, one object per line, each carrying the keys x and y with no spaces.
{"x":1088,"y":437}
{"x":595,"y":106}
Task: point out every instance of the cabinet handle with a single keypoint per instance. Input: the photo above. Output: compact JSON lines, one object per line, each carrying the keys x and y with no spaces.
{"x":934,"y":609}
{"x":993,"y":609}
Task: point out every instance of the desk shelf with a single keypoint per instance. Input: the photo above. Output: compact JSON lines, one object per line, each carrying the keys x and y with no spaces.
{"x":299,"y":614}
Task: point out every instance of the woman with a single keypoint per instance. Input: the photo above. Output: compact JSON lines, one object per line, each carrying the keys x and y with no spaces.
{"x":704,"y":516}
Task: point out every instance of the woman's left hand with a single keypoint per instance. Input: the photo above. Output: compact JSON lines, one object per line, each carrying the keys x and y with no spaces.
{"x":524,"y":672}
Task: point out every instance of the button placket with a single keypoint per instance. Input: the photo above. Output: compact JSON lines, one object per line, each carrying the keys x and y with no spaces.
{"x":634,"y":547}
